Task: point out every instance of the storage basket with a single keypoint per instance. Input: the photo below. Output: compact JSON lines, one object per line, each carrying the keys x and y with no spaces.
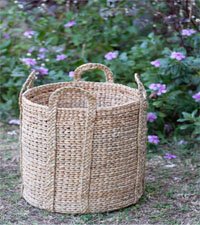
{"x":82,"y":143}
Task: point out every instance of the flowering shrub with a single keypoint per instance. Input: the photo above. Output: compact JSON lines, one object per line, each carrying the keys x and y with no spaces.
{"x":167,"y":55}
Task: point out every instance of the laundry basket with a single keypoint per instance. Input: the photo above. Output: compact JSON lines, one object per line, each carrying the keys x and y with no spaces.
{"x":82,"y":143}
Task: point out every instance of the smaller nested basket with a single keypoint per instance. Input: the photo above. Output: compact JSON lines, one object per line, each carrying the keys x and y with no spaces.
{"x":82,"y":144}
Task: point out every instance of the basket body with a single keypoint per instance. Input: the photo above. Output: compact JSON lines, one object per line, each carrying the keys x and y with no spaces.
{"x":82,"y":154}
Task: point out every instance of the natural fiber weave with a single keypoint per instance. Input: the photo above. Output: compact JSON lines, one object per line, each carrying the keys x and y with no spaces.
{"x":82,"y":144}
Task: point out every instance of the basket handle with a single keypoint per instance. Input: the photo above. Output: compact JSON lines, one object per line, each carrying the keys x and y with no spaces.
{"x":27,"y":84}
{"x":140,"y":85}
{"x":88,"y":140}
{"x":91,"y":66}
{"x":54,"y":97}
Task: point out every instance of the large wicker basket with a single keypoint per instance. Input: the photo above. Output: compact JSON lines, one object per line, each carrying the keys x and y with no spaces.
{"x":82,"y":144}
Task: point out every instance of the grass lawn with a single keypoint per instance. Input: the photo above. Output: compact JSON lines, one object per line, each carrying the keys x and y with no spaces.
{"x":172,"y":193}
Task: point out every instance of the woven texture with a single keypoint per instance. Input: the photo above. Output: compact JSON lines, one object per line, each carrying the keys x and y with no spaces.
{"x":83,"y":144}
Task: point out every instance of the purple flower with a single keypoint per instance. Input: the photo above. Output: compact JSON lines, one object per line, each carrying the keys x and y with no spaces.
{"x":169,"y":156}
{"x":70,"y":24}
{"x":29,"y":61}
{"x":154,"y":86}
{"x":162,"y":89}
{"x":177,"y":55}
{"x":6,"y":36}
{"x":188,"y":32}
{"x":71,"y":74}
{"x":158,"y":88}
{"x":43,"y":50}
{"x":196,"y":97}
{"x":41,"y":55}
{"x":153,"y":139}
{"x":60,"y":57}
{"x":151,"y":116}
{"x":29,"y":33}
{"x":42,"y":70}
{"x":155,"y":63}
{"x":111,"y":55}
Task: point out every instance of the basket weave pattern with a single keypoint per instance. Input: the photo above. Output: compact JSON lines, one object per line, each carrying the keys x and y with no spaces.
{"x":82,"y":144}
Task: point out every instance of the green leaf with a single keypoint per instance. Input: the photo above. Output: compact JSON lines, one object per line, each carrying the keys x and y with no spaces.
{"x":186,"y":126}
{"x":123,"y":57}
{"x":5,"y":44}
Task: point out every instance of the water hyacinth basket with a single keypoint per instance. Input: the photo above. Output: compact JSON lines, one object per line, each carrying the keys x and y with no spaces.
{"x":83,"y":143}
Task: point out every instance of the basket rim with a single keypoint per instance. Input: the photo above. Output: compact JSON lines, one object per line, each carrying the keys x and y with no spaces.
{"x":107,"y":108}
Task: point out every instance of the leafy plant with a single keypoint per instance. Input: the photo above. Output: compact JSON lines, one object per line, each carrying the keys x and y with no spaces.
{"x":121,"y":35}
{"x":191,"y":124}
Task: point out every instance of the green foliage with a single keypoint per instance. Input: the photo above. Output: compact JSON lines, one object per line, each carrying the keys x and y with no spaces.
{"x":191,"y":123}
{"x":100,"y":29}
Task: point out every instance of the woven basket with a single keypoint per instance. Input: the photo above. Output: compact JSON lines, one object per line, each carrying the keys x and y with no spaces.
{"x":82,"y":144}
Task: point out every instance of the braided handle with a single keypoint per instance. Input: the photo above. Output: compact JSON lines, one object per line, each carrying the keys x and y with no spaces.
{"x":91,"y":66}
{"x":140,"y":85}
{"x":54,"y":97}
{"x":86,"y":148}
{"x":27,"y":84}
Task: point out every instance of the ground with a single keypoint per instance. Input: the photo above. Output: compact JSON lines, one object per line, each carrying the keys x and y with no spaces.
{"x":171,"y":193}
